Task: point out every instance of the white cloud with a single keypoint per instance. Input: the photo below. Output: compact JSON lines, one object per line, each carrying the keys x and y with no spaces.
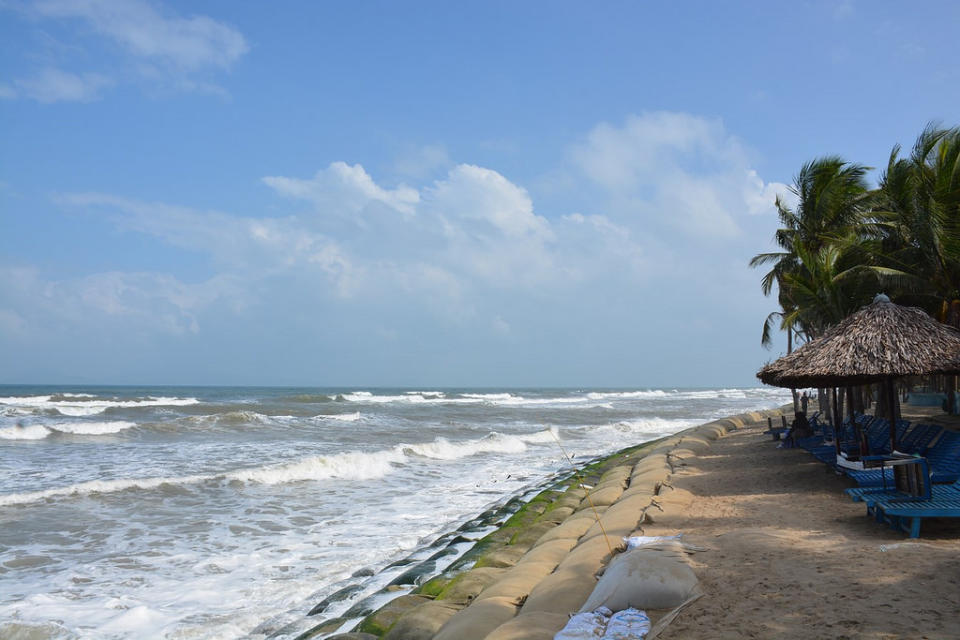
{"x":252,"y":247}
{"x":466,"y":254}
{"x":149,"y":302}
{"x":343,"y":189}
{"x":474,"y":222}
{"x":54,"y":85}
{"x":473,"y":193}
{"x":678,"y":170}
{"x":761,"y":196}
{"x":139,"y":27}
{"x":163,"y":50}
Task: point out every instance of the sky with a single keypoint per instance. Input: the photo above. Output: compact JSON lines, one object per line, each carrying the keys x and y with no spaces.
{"x":426,"y":193}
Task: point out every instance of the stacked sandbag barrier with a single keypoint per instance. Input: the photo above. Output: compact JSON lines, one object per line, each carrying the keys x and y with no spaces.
{"x":524,"y":580}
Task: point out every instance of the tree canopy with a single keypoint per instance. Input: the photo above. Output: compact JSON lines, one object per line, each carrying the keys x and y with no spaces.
{"x":843,"y":242}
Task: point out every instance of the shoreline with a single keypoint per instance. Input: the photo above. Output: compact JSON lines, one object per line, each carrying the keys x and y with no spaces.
{"x":522,"y":542}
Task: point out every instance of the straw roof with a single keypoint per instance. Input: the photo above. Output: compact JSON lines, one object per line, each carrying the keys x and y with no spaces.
{"x":880,"y":340}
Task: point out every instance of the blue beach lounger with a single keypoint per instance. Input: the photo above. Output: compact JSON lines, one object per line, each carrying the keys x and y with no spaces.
{"x":944,"y":459}
{"x":907,"y":516}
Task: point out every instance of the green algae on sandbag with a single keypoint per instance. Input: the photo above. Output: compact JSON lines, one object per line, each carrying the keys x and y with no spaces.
{"x":503,"y":557}
{"x":423,"y":621}
{"x":529,"y":535}
{"x":468,"y":585}
{"x":386,"y":616}
{"x":517,"y":582}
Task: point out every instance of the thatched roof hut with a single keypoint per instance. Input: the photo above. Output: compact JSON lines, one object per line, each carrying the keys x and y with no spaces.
{"x":879,"y":341}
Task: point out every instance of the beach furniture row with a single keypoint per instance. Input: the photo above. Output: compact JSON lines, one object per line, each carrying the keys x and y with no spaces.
{"x":921,"y":479}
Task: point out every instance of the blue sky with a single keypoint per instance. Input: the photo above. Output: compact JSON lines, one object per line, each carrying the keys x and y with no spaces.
{"x":444,"y":194}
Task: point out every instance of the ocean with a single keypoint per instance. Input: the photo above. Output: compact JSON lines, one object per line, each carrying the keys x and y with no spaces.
{"x":228,"y":512}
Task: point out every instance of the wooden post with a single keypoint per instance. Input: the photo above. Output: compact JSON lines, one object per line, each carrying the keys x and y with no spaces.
{"x":837,"y":419}
{"x":892,"y":412}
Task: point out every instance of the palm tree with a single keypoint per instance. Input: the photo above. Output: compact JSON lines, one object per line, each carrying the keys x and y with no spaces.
{"x":921,"y":202}
{"x":832,"y":196}
{"x":920,"y":198}
{"x":813,"y":271}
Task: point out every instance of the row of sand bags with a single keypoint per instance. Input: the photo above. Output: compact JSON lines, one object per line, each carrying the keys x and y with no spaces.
{"x":529,"y":588}
{"x":536,"y":596}
{"x":657,"y":578}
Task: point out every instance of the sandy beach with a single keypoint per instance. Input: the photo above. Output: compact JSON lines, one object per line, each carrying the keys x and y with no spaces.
{"x":792,"y":556}
{"x":785,"y":553}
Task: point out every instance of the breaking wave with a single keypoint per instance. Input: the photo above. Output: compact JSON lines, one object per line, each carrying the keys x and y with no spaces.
{"x":91,"y":428}
{"x":351,"y":465}
{"x":30,"y":432}
{"x":80,"y":404}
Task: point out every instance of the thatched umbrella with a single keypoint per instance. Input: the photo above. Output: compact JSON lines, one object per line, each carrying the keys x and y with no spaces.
{"x":878,"y":343}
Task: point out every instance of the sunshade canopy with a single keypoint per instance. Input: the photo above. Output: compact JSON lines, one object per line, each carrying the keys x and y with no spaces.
{"x":880,"y":341}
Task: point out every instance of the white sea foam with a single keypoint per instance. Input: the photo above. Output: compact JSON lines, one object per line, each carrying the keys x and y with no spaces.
{"x":29,"y":432}
{"x":78,"y":405}
{"x":616,"y":395}
{"x":91,"y":428}
{"x":352,"y":465}
{"x":98,"y":486}
{"x":653,"y":426}
{"x":409,"y":397}
{"x":437,"y":397}
{"x":345,"y":417}
{"x":490,"y":397}
{"x":444,"y":449}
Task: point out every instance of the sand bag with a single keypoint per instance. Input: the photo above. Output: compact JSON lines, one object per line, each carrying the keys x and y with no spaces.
{"x":560,"y":592}
{"x":519,"y":581}
{"x":478,"y":620}
{"x":530,"y":626}
{"x":629,"y":624}
{"x":423,"y":622}
{"x":644,"y":579}
{"x":553,"y":551}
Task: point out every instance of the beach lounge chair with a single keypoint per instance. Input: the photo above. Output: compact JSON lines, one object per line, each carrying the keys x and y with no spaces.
{"x":820,"y":447}
{"x":915,"y":442}
{"x":910,"y":481}
{"x":943,"y":457}
{"x":919,"y":438}
{"x":876,"y":439}
{"x":908,"y":515}
{"x":872,"y":495}
{"x":867,"y":435}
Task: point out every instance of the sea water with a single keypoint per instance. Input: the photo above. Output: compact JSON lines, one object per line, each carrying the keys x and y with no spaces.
{"x":199,"y":512}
